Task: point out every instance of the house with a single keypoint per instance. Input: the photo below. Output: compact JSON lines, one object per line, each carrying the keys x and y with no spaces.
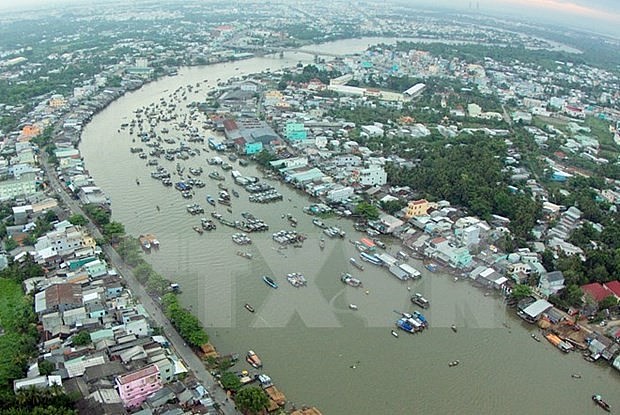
{"x":416,"y":208}
{"x":63,"y":297}
{"x":136,"y":386}
{"x":596,"y":291}
{"x":534,"y":311}
{"x":551,"y":283}
{"x":373,"y":175}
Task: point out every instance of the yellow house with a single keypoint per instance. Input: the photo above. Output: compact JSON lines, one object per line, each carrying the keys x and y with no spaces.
{"x":416,"y":208}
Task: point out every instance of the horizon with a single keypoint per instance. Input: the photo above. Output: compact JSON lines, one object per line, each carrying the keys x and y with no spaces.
{"x":596,"y":16}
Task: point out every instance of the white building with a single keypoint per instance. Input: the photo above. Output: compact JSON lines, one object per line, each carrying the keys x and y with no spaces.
{"x":65,"y":239}
{"x":373,"y":175}
{"x":339,"y":194}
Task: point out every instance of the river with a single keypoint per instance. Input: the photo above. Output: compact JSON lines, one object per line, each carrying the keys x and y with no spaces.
{"x":317,"y":350}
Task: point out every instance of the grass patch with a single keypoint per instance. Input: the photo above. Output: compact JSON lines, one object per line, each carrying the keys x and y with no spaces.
{"x":14,"y":309}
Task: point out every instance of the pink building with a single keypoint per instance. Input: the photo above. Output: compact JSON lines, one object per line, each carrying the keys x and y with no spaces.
{"x":136,"y":386}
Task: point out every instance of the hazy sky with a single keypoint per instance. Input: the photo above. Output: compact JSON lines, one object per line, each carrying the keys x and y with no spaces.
{"x":595,"y":15}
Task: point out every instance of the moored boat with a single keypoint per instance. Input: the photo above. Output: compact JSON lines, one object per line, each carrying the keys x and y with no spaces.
{"x":348,"y":279}
{"x":144,"y":242}
{"x":356,"y":264}
{"x":418,"y":299}
{"x":253,"y":359}
{"x":600,"y":402}
{"x":270,"y":282}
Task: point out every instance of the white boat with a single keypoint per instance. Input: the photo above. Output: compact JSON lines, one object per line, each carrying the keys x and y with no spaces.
{"x":353,"y":306}
{"x":394,"y":333}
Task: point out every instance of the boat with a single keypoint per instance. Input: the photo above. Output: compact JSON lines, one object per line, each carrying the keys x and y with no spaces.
{"x":138,"y":182}
{"x":235,"y":193}
{"x":356,"y":264}
{"x":322,"y":243}
{"x":319,"y":223}
{"x":535,"y":337}
{"x":454,"y":363}
{"x":575,"y":376}
{"x":210,"y":200}
{"x":394,"y":333}
{"x":453,"y":327}
{"x":198,"y":230}
{"x":246,"y":255}
{"x":270,"y":282}
{"x":353,"y":306}
{"x":348,"y":279}
{"x":249,"y":308}
{"x":371,"y":258}
{"x":418,"y":299}
{"x":406,"y":324}
{"x":600,"y":402}
{"x":253,"y":359}
{"x":152,"y":240}
{"x":144,"y":242}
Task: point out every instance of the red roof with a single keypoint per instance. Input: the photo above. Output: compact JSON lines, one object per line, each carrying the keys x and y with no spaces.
{"x":596,"y":291}
{"x":614,"y":286}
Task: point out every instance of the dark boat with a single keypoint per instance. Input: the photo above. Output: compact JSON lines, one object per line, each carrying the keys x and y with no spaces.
{"x":600,"y":402}
{"x":453,"y":327}
{"x":235,"y":193}
{"x":249,"y":308}
{"x":138,"y":182}
{"x":270,"y":282}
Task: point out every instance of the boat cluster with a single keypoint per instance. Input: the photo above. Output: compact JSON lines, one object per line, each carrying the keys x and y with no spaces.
{"x":348,"y":279}
{"x":412,"y":322}
{"x":288,"y":237}
{"x":207,"y":224}
{"x":195,"y":209}
{"x":334,"y":232}
{"x":266,"y":197}
{"x":241,"y":238}
{"x":296,"y":279}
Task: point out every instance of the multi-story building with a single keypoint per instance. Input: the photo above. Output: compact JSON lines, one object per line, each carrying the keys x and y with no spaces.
{"x":65,"y":239}
{"x":416,"y":208}
{"x":373,"y":175}
{"x":136,"y":386}
{"x":24,"y":185}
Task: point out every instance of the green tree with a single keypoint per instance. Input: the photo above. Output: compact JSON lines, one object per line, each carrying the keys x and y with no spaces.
{"x":368,"y":211}
{"x":113,"y":231}
{"x":77,"y":219}
{"x":82,"y":338}
{"x":392,"y":206}
{"x":520,"y":291}
{"x":607,"y":302}
{"x":46,"y":367}
{"x":251,"y":400}
{"x":10,"y":244}
{"x":230,"y":381}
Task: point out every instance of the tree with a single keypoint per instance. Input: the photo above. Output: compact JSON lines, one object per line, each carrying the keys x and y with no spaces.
{"x":230,"y":381}
{"x":520,"y":291}
{"x":114,"y":230}
{"x":251,"y":400}
{"x":77,"y":219}
{"x":607,"y":302}
{"x":392,"y":206}
{"x":368,"y":211}
{"x":46,"y":367}
{"x":82,"y":338}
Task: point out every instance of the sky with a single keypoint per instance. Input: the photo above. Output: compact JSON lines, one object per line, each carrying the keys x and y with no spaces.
{"x":594,"y":15}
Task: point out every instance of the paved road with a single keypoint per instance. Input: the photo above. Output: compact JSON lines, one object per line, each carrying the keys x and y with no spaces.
{"x":191,"y":360}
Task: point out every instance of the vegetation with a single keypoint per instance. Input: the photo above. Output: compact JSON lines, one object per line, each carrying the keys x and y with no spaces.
{"x":99,"y":214}
{"x":230,"y":381}
{"x":77,"y":219}
{"x":33,"y":401}
{"x":18,"y":343}
{"x":81,"y":339}
{"x":521,"y":291}
{"x":46,"y":367}
{"x":188,"y":326}
{"x":251,"y":400}
{"x":368,"y":211}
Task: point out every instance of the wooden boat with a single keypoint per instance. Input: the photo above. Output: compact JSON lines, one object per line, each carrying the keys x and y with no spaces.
{"x":249,"y":308}
{"x":394,"y":333}
{"x":600,"y":402}
{"x":453,"y":327}
{"x":253,"y":359}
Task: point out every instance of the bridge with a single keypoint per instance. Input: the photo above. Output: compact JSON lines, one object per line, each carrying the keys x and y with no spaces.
{"x":275,"y":50}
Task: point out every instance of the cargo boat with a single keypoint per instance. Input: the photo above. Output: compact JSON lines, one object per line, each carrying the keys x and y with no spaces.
{"x":270,"y":282}
{"x":253,"y":359}
{"x":418,"y":299}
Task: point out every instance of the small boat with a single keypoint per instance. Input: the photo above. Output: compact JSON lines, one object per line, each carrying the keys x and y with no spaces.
{"x":453,"y":327}
{"x":322,"y":243}
{"x":353,"y":306}
{"x":575,"y":376}
{"x":270,"y":282}
{"x":157,"y":207}
{"x":535,"y":337}
{"x":138,"y":182}
{"x":253,"y":359}
{"x":249,"y":308}
{"x":356,"y":264}
{"x":420,"y":300}
{"x":198,"y":230}
{"x":454,"y":363}
{"x":235,"y":193}
{"x":600,"y":402}
{"x":394,"y":333}
{"x":210,"y":200}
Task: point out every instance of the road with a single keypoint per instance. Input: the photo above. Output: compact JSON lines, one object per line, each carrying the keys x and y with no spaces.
{"x":190,"y":359}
